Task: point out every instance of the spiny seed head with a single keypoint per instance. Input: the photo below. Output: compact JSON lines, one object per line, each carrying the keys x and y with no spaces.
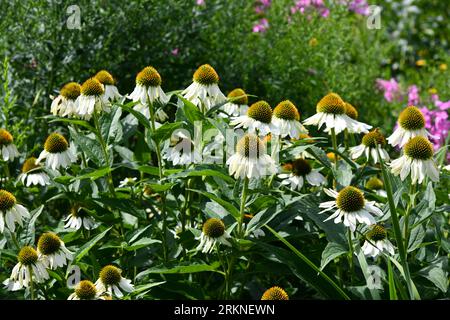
{"x":105,"y":77}
{"x":377,"y":233}
{"x":5,"y":137}
{"x":411,"y":119}
{"x":206,"y":75}
{"x":7,"y":200}
{"x":351,"y":111}
{"x":56,"y":143}
{"x":374,"y":184}
{"x":213,"y":228}
{"x":29,"y":165}
{"x":238,"y":96}
{"x":331,"y":103}
{"x":149,"y":77}
{"x":70,"y":90}
{"x":372,"y":138}
{"x":27,"y":256}
{"x":350,"y":199}
{"x":275,"y":293}
{"x":419,"y":148}
{"x":301,"y":167}
{"x":110,"y":275}
{"x":286,"y":110}
{"x":49,"y":243}
{"x":250,"y":146}
{"x":260,"y":111}
{"x":85,"y":290}
{"x":92,"y":87}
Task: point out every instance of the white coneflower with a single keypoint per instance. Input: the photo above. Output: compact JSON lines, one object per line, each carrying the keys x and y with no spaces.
{"x":286,"y":120}
{"x":331,"y":113}
{"x":258,"y":119}
{"x":53,"y":250}
{"x":148,"y":88}
{"x":7,"y":147}
{"x":180,"y":150}
{"x":376,"y":185}
{"x":111,"y":91}
{"x":251,"y":159}
{"x":11,"y":212}
{"x":57,"y":152}
{"x":64,"y":104}
{"x":237,"y":104}
{"x":79,"y":217}
{"x":29,"y":267}
{"x":411,"y":123}
{"x":204,"y":92}
{"x":213,"y":232}
{"x":418,"y":160}
{"x":92,"y":99}
{"x":301,"y":170}
{"x":351,"y":207}
{"x":377,"y":242}
{"x":32,"y":174}
{"x":85,"y":290}
{"x":111,"y":281}
{"x":368,"y":147}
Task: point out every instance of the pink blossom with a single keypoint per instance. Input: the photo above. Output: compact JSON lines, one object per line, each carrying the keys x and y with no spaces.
{"x":413,"y":95}
{"x":175,"y":51}
{"x":200,"y":2}
{"x":261,"y":26}
{"x":390,"y":88}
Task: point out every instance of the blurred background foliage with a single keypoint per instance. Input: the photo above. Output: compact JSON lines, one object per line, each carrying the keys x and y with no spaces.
{"x":299,"y":57}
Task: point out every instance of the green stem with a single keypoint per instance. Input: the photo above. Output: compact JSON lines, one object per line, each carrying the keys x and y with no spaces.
{"x":334,"y":143}
{"x":411,"y":204}
{"x":242,"y":208}
{"x":30,"y":270}
{"x":105,"y":154}
{"x":397,"y":230}
{"x":161,"y":177}
{"x":350,"y":255}
{"x":83,"y":157}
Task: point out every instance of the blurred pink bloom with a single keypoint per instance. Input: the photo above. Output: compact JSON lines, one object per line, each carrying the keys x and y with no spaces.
{"x":390,"y":88}
{"x":413,"y":95}
{"x":200,"y":2}
{"x":175,"y":51}
{"x":261,"y":26}
{"x":359,"y":7}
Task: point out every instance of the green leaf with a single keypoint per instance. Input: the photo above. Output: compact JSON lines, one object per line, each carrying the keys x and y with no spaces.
{"x":165,"y":131}
{"x":141,"y":118}
{"x":188,"y":268}
{"x":320,"y":155}
{"x":91,"y":147}
{"x":160,"y":187}
{"x":191,"y":112}
{"x":81,"y":123}
{"x":202,"y":172}
{"x":436,"y":272}
{"x":110,"y":126}
{"x":94,"y":175}
{"x":88,"y":246}
{"x":331,"y":252}
{"x":125,"y":205}
{"x":344,"y":174}
{"x":28,"y":234}
{"x":141,"y":243}
{"x":304,"y":268}
{"x":416,"y":237}
{"x":143,"y":289}
{"x":224,"y":203}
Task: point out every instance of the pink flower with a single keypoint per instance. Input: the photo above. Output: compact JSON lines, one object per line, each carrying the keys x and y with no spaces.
{"x":200,"y":2}
{"x":261,"y":26}
{"x":390,"y":88}
{"x":413,"y":95}
{"x":175,"y":51}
